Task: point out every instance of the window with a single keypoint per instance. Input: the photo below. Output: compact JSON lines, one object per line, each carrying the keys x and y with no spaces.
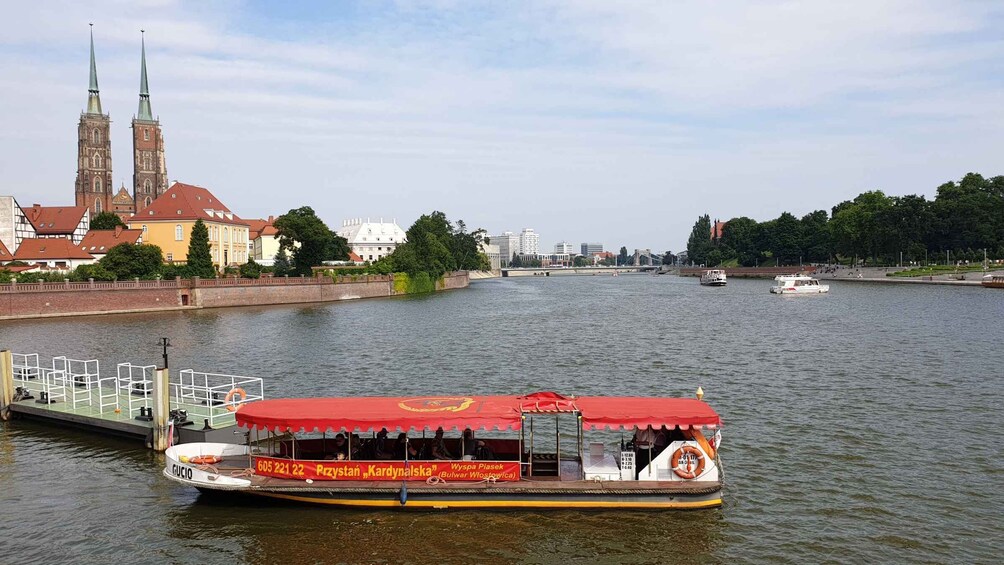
{"x":96,"y":136}
{"x":226,"y":235}
{"x":179,"y":233}
{"x":97,"y":184}
{"x":146,"y":134}
{"x":170,"y":257}
{"x":97,"y":206}
{"x":144,"y":228}
{"x":96,"y":161}
{"x":147,"y":186}
{"x":146,"y":162}
{"x":148,"y":201}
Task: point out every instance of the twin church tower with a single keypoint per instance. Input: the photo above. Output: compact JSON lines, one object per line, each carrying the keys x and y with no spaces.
{"x":94,"y":188}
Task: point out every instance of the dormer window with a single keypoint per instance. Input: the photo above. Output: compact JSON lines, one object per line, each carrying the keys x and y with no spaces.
{"x":174,"y":195}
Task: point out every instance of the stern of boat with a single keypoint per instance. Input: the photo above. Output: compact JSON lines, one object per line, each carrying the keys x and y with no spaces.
{"x":219,"y":466}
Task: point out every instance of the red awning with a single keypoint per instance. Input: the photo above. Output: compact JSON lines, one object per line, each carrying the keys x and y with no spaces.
{"x":618,"y":412}
{"x":373,"y":413}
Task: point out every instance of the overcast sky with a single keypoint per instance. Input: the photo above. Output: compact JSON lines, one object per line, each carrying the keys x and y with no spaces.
{"x":617,"y":122}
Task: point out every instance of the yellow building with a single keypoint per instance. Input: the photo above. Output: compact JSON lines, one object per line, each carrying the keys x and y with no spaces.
{"x":168,"y":223}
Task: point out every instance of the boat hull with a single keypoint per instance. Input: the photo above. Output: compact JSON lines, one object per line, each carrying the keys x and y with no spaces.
{"x":714,"y":283}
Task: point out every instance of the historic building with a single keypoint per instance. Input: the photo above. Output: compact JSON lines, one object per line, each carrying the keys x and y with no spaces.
{"x":14,"y":224}
{"x":60,"y":222}
{"x":372,"y":240}
{"x":94,"y":150}
{"x":264,"y":244}
{"x":168,"y":223}
{"x":149,"y":167}
{"x":98,"y":242}
{"x":123,"y":204}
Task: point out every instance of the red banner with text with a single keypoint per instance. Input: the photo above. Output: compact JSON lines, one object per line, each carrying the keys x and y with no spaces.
{"x":387,"y":470}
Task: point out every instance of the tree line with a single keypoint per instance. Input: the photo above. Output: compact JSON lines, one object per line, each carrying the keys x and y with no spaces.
{"x":964,"y":220}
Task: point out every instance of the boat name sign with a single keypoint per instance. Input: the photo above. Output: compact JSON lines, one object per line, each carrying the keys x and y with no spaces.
{"x":387,"y":470}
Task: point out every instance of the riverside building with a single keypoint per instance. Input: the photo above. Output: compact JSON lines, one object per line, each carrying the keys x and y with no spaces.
{"x":529,"y":242}
{"x":590,"y":249}
{"x":508,"y":243}
{"x":372,"y":241}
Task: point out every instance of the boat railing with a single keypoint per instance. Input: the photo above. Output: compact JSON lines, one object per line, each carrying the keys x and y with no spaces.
{"x":26,"y":367}
{"x":83,"y":378}
{"x":214,"y":397}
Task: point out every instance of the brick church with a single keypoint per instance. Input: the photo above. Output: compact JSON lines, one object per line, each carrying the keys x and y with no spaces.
{"x":94,"y":189}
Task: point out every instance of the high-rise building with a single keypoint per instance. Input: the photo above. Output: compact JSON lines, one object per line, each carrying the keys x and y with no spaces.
{"x":508,"y":243}
{"x":563,"y":247}
{"x":149,"y":166}
{"x":93,"y":189}
{"x":529,"y":242}
{"x":589,"y":249}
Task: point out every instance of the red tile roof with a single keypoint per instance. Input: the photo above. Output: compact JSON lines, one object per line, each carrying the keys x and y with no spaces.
{"x":4,"y":254}
{"x":259,"y":227}
{"x":55,"y":220}
{"x":188,"y":202}
{"x":100,"y":241}
{"x":49,"y":249}
{"x":354,"y":257}
{"x":18,"y":268}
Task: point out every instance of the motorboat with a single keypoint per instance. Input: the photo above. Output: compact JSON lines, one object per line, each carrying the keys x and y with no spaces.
{"x":714,"y":277}
{"x":328,"y":451}
{"x":798,"y":284}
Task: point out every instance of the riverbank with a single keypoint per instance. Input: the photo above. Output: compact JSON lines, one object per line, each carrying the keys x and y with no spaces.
{"x":51,"y":300}
{"x":881,"y":275}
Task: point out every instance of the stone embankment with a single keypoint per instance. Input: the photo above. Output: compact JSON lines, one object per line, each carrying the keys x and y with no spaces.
{"x":751,"y":272}
{"x":43,"y":300}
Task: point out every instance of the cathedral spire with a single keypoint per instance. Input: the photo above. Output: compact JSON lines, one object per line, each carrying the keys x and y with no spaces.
{"x":144,"y":89}
{"x":93,"y":99}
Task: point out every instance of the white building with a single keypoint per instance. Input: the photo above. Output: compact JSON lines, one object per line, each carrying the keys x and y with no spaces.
{"x":563,"y":247}
{"x":589,"y":249}
{"x":494,"y":256}
{"x":508,"y":243}
{"x":14,"y":224}
{"x":529,"y":242}
{"x":372,"y":240}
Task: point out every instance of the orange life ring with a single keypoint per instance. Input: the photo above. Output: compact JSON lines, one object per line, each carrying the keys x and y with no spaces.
{"x":690,"y":471}
{"x":230,"y":396}
{"x":205,"y":459}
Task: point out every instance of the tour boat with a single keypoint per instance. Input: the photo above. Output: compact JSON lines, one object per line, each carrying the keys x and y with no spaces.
{"x":293,"y":452}
{"x":798,"y":284}
{"x":714,"y":277}
{"x":993,"y":281}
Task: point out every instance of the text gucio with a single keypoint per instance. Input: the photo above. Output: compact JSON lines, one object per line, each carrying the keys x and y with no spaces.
{"x":387,"y":470}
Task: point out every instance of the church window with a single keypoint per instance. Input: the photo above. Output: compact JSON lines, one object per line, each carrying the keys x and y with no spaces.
{"x":147,"y":186}
{"x":179,"y":234}
{"x":146,"y":162}
{"x":146,"y":134}
{"x":97,"y":206}
{"x":148,"y":201}
{"x":96,"y":136}
{"x":97,"y":184}
{"x":96,"y":161}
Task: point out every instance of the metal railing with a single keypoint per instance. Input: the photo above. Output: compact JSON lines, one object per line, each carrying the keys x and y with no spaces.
{"x":214,"y":397}
{"x":136,"y":383}
{"x":82,"y":376}
{"x":26,"y":367}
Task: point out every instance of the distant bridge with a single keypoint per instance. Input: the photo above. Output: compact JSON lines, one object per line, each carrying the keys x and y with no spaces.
{"x":569,"y":271}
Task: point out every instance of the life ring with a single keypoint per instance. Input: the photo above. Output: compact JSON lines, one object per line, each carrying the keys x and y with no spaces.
{"x":690,"y":471}
{"x":205,"y":459}
{"x":228,"y":401}
{"x":435,"y":480}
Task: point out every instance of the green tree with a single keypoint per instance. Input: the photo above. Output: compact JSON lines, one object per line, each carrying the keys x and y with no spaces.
{"x":581,"y":261}
{"x":106,"y":221}
{"x":281,"y":267}
{"x":668,"y":258}
{"x":622,"y":257}
{"x":467,"y":247}
{"x":787,"y":245}
{"x":199,"y":260}
{"x":699,"y":244}
{"x":308,"y":240}
{"x":739,"y":234}
{"x":815,"y":237}
{"x":127,"y":261}
{"x":250,"y":270}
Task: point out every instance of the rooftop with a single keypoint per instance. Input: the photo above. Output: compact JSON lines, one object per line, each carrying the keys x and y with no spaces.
{"x":55,"y":220}
{"x":49,"y":249}
{"x":188,"y":202}
{"x":100,"y":241}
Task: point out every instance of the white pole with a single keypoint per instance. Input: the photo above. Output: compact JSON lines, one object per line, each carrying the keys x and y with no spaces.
{"x":161,"y":409}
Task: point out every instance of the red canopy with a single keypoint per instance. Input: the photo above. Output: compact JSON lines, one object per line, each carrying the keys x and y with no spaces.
{"x":615,"y":412}
{"x":478,"y":412}
{"x":373,"y":413}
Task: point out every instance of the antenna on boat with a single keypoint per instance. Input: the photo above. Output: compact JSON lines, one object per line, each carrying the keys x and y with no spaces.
{"x":165,"y":343}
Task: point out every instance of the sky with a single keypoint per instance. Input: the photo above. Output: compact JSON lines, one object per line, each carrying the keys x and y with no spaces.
{"x":613,"y":122}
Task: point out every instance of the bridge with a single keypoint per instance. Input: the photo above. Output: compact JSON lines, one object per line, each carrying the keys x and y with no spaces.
{"x":573,"y":271}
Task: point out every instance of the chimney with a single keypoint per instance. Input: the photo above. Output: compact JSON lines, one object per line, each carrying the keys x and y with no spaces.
{"x":271,"y":219}
{"x":118,"y":231}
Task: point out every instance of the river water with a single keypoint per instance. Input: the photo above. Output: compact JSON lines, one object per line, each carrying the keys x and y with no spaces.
{"x":861,"y":426}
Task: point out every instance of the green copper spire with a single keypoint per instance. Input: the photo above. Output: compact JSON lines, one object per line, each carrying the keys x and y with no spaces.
{"x":144,"y":89}
{"x":93,"y":100}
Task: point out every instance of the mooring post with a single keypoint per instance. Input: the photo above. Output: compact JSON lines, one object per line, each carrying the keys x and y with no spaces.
{"x":161,"y":409}
{"x":6,"y":383}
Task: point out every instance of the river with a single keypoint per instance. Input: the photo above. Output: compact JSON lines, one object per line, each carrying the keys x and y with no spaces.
{"x":860,"y":426}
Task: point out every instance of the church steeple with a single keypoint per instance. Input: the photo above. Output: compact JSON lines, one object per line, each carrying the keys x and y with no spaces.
{"x":93,"y":99}
{"x":144,"y":89}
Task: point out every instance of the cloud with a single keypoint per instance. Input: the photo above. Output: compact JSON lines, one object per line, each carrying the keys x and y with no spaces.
{"x":618,"y":122}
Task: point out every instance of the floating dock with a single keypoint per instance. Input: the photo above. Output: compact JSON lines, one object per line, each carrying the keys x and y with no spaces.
{"x":191,"y":406}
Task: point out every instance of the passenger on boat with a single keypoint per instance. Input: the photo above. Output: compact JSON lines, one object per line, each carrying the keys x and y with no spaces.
{"x":476,"y":448}
{"x":402,"y":446}
{"x":341,"y":447}
{"x":439,"y":450}
{"x":380,"y":449}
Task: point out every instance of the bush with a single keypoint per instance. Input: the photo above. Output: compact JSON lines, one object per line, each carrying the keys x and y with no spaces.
{"x":250,"y":270}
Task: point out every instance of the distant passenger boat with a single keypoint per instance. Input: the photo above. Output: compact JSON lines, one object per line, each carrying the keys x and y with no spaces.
{"x":993,"y":281}
{"x":797,"y":284}
{"x":714,"y":277}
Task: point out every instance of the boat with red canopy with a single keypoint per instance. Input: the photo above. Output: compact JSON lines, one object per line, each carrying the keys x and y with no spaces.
{"x":468,"y":452}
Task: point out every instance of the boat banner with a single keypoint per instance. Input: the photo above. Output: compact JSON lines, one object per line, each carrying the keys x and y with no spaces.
{"x":387,"y":470}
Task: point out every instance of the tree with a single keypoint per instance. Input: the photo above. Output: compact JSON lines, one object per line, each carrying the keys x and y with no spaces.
{"x":309,"y":240}
{"x":467,"y":249}
{"x":581,"y":261}
{"x":127,"y":261}
{"x":787,"y":245}
{"x":281,"y":266}
{"x":106,"y":221}
{"x":699,"y":244}
{"x":199,"y":259}
{"x":622,"y":257}
{"x":815,"y":237}
{"x":739,"y":234}
{"x":668,"y":258}
{"x":250,"y":270}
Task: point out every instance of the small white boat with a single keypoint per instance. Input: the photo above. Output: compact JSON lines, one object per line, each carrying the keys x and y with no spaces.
{"x":714,"y":277}
{"x":797,"y":284}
